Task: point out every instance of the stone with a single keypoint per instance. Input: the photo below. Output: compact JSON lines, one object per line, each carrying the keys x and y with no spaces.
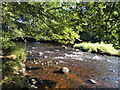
{"x":64,"y":47}
{"x":111,"y":70}
{"x":33,"y":86}
{"x":64,"y":69}
{"x":42,"y":63}
{"x":36,"y":63}
{"x":57,"y":63}
{"x":77,"y":50}
{"x":45,"y":57}
{"x":57,"y":66}
{"x":23,"y":69}
{"x":57,"y":50}
{"x":59,"y":57}
{"x":40,"y":53}
{"x":23,"y":65}
{"x":61,"y":62}
{"x":33,"y":47}
{"x":29,"y":52}
{"x":20,"y":71}
{"x":93,"y":81}
{"x":33,"y":81}
{"x":96,"y":57}
{"x":17,"y":73}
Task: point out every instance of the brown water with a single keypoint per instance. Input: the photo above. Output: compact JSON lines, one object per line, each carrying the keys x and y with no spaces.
{"x":82,"y":65}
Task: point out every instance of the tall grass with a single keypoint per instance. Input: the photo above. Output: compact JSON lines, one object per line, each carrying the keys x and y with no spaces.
{"x":98,"y":48}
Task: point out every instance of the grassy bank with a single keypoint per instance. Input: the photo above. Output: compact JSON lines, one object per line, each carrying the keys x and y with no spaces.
{"x":98,"y":48}
{"x":12,"y":65}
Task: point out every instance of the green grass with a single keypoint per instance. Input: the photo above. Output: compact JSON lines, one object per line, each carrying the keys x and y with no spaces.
{"x":101,"y":48}
{"x":12,"y":65}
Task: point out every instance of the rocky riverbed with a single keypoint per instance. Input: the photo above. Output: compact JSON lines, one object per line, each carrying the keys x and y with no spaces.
{"x":86,"y":70}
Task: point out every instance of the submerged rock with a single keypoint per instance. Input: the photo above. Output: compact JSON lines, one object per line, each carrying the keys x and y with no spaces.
{"x":64,"y":69}
{"x":92,"y":81}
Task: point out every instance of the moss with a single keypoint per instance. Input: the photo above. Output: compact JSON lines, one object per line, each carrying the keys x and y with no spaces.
{"x":101,"y":48}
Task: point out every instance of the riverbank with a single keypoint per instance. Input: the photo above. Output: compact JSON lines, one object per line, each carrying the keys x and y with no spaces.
{"x":101,"y":48}
{"x":13,"y":66}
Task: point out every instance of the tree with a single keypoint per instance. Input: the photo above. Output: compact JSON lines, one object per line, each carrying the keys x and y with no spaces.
{"x":61,"y":21}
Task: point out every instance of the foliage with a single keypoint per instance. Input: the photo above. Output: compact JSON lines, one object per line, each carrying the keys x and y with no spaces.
{"x":98,"y":48}
{"x":61,"y":21}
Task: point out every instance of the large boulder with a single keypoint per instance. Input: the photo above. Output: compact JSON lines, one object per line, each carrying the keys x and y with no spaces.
{"x":64,"y":70}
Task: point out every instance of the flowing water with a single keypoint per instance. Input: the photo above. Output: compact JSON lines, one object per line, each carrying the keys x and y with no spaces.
{"x":44,"y":60}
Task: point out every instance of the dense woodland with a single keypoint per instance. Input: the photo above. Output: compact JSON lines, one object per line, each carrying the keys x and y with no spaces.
{"x":63,"y":22}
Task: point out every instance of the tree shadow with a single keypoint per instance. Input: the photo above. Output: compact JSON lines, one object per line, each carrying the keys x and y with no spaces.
{"x":46,"y":83}
{"x":28,"y":68}
{"x":58,"y":72}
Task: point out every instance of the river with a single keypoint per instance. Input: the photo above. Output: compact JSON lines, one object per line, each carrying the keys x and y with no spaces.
{"x":44,"y":60}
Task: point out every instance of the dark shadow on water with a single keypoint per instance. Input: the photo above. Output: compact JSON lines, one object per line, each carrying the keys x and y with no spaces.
{"x":30,"y":59}
{"x":58,"y":72}
{"x":46,"y":83}
{"x":28,"y":68}
{"x":83,"y":88}
{"x":27,"y":76}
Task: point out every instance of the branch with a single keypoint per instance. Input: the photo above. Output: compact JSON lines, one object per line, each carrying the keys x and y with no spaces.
{"x":110,"y":13}
{"x":53,"y":8}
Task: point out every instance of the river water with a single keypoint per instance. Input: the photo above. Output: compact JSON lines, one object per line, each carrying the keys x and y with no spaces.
{"x":44,"y":60}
